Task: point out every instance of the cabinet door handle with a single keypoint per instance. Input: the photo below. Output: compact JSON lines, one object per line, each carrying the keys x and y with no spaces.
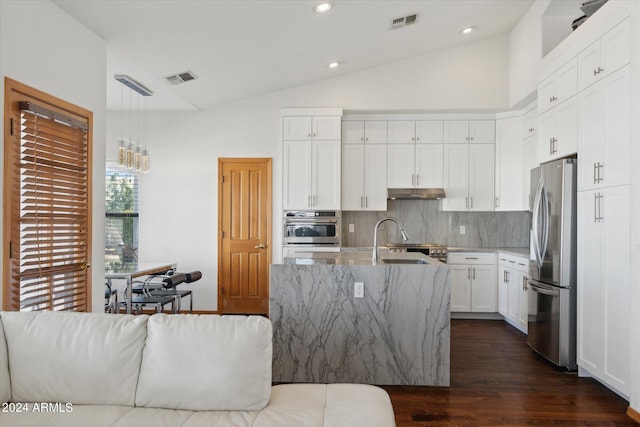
{"x":367,"y":139}
{"x":474,"y":273}
{"x":361,"y":202}
{"x":315,"y":201}
{"x":595,"y":169}
{"x":599,"y":167}
{"x":366,"y":202}
{"x":598,"y":71}
{"x":466,"y":202}
{"x":468,"y":273}
{"x":309,"y":201}
{"x":550,"y":146}
{"x":471,"y":199}
{"x":506,"y":271}
{"x":417,"y":179}
{"x":600,"y":197}
{"x":524,"y":283}
{"x":497,"y":202}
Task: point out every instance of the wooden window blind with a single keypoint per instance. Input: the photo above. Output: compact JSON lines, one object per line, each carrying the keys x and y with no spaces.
{"x":47,"y":187}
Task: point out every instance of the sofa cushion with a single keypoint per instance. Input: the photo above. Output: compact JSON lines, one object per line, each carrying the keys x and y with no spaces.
{"x":5,"y":383}
{"x":327,"y":405}
{"x":82,"y":358}
{"x":206,"y":362}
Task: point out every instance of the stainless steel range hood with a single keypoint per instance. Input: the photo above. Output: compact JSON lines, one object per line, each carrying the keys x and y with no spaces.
{"x":415,"y":193}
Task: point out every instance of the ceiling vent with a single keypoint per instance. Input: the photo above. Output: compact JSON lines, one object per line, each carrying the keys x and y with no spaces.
{"x":403,"y":21}
{"x":176,"y":79}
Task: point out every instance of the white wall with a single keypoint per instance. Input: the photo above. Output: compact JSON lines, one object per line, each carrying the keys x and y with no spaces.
{"x":179,"y":199}
{"x":43,"y":47}
{"x":525,"y":53}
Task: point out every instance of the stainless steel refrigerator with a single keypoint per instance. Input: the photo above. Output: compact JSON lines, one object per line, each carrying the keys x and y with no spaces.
{"x":552,"y":264}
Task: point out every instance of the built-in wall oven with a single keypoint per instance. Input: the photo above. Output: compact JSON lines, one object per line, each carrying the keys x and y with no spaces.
{"x":312,"y":228}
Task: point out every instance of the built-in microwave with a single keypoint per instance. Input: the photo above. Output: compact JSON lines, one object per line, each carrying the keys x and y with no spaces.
{"x":318,"y":228}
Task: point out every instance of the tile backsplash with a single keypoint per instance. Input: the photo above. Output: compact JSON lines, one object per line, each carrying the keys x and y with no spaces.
{"x":425,"y":222}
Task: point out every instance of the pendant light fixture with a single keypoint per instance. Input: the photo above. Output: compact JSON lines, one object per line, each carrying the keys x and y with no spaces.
{"x":129,"y":156}
{"x":122,"y":151}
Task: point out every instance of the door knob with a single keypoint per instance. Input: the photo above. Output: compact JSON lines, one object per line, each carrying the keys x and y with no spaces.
{"x":260,"y":246}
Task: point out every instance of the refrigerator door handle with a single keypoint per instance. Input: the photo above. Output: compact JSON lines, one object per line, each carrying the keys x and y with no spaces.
{"x":535,"y":226}
{"x":543,"y":291}
{"x":547,"y":220}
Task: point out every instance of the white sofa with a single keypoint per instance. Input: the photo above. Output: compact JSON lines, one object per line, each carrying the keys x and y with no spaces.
{"x":93,"y":369}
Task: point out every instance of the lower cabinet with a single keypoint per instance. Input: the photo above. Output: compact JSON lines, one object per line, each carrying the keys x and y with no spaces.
{"x":473,"y":282}
{"x":512,"y":289}
{"x":604,"y":285}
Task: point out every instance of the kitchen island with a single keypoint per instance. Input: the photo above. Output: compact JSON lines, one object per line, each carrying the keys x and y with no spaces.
{"x":397,"y":333}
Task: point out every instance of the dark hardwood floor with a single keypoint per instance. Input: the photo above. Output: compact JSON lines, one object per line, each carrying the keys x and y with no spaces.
{"x":496,"y":380}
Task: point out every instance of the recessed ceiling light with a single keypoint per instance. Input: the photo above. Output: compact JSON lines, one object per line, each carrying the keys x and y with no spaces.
{"x":467,"y":30}
{"x":334,"y":64}
{"x":322,"y":7}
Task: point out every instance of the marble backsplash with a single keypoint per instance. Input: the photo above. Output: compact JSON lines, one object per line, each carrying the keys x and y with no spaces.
{"x":425,"y":222}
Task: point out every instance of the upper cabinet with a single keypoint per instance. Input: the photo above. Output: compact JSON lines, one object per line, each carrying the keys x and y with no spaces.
{"x":558,"y":87}
{"x":605,"y":56}
{"x":558,"y":131}
{"x":469,"y":131}
{"x":305,"y":128}
{"x":311,"y":159}
{"x":415,"y":154}
{"x":604,"y":132}
{"x":364,"y":131}
{"x":468,"y":177}
{"x":364,"y":165}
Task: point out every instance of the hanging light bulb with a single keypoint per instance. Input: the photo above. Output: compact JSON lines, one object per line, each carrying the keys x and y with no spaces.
{"x":130,"y":155}
{"x":137,"y":163}
{"x":145,"y":161}
{"x":122,"y":153}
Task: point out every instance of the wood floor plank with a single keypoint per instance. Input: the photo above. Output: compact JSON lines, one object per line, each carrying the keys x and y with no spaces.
{"x":497,"y":380}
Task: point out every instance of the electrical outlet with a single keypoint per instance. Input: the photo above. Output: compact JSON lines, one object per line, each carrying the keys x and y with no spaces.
{"x":352,"y":228}
{"x":463,"y":229}
{"x":358,"y":290}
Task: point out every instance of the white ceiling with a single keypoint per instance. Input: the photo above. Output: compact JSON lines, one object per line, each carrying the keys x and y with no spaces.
{"x":243,"y":48}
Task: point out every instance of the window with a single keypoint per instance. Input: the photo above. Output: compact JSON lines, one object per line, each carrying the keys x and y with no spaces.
{"x":121,"y":225}
{"x":47,"y":201}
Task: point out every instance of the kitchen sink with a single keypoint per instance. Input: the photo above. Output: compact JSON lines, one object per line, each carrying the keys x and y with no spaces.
{"x":403,"y":261}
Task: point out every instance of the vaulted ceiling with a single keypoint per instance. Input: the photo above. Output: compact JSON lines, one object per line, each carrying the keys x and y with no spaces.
{"x":243,"y":48}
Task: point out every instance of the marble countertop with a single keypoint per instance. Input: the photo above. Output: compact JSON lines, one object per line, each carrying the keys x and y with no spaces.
{"x":514,"y":251}
{"x":357,"y":258}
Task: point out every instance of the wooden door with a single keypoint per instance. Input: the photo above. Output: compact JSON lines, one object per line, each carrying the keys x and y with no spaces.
{"x":244,"y":235}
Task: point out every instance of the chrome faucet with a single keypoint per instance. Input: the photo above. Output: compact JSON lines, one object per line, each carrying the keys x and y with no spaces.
{"x":376,"y":254}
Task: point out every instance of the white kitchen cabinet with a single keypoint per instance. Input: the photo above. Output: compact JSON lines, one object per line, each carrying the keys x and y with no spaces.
{"x":530,"y":123}
{"x":604,"y":132}
{"x":513,"y":292}
{"x":469,"y":177}
{"x":469,"y":131}
{"x":311,"y":174}
{"x":473,"y":282}
{"x":510,"y":167}
{"x":604,"y":56}
{"x":558,"y":87}
{"x":530,"y":162}
{"x":415,"y":154}
{"x":558,"y":131}
{"x":305,"y":128}
{"x":364,"y":184}
{"x":603,"y":285}
{"x":364,"y":131}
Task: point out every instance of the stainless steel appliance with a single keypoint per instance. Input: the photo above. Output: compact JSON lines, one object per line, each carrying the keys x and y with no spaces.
{"x":313,"y":228}
{"x":552,"y":264}
{"x":433,"y":250}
